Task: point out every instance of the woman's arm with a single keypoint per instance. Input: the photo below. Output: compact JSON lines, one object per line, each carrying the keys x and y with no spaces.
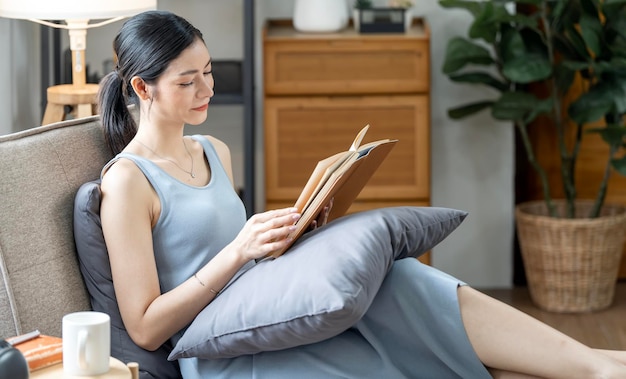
{"x":129,"y":210}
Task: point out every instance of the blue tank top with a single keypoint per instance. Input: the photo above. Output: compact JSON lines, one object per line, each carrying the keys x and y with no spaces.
{"x":195,"y":222}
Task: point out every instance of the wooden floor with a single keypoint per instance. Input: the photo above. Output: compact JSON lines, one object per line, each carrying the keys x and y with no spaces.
{"x":603,"y":329}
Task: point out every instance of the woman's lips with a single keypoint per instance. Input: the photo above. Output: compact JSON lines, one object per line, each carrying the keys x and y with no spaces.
{"x":202,"y":108}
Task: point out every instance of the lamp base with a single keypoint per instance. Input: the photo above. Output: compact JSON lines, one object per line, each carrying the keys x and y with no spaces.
{"x":82,"y":97}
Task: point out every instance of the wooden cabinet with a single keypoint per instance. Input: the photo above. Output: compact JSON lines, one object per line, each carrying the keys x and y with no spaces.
{"x":321,"y":89}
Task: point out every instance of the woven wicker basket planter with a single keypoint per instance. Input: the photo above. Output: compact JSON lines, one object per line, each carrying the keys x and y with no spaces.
{"x":571,"y":265}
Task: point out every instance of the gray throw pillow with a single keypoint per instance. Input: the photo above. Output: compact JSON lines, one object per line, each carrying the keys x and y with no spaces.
{"x":96,"y":271}
{"x":322,"y":286}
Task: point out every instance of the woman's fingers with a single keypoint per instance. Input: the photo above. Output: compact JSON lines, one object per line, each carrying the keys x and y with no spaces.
{"x":268,"y":231}
{"x":272,"y":215}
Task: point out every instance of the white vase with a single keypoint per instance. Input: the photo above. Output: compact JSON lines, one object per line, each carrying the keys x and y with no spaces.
{"x":356,"y":19}
{"x":408,"y":19}
{"x":320,"y":15}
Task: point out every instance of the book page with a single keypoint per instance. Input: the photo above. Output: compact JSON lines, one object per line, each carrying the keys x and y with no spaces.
{"x":318,"y":178}
{"x":324,"y":169}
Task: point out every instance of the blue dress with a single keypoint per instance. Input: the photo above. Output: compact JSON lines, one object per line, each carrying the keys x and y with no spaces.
{"x":413,"y":329}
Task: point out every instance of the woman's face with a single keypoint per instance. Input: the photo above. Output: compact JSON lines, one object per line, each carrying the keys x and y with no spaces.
{"x":185,"y":88}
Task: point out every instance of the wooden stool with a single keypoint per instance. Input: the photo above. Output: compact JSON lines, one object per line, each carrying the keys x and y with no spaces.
{"x":83,"y":97}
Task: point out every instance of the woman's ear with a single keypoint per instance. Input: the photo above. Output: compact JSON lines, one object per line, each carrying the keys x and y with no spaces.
{"x":142,"y":90}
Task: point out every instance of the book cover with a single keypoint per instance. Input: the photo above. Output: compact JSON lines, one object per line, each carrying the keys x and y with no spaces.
{"x":41,"y":351}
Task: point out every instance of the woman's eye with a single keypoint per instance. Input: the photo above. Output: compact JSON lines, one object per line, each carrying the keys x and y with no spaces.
{"x":207,"y":73}
{"x":186,"y":84}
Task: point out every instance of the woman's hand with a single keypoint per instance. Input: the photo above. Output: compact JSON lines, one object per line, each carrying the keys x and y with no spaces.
{"x":265,"y":232}
{"x":322,"y":218}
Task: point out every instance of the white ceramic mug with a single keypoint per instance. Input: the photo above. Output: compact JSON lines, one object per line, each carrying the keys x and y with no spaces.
{"x":86,"y":343}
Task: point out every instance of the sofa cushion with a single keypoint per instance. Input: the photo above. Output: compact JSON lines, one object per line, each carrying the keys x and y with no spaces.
{"x":322,"y":286}
{"x":96,"y":271}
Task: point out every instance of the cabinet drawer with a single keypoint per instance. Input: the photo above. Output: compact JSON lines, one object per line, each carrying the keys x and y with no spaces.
{"x":300,"y":131}
{"x":346,"y":66}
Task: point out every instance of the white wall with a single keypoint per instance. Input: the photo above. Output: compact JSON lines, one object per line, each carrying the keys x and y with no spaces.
{"x":472,"y":160}
{"x":472,"y":168}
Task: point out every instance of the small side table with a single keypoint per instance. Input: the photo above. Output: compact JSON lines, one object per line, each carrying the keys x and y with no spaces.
{"x":118,"y":371}
{"x":83,"y":97}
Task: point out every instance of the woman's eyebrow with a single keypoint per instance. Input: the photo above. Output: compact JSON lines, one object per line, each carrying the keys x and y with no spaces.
{"x":189,"y":72}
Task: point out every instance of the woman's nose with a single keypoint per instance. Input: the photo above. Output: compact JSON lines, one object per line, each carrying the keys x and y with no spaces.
{"x":208,"y":87}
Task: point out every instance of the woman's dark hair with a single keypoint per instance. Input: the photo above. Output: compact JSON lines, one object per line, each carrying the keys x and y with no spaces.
{"x":144,"y":47}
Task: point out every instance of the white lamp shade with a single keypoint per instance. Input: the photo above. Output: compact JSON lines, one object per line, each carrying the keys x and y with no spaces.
{"x":73,"y":9}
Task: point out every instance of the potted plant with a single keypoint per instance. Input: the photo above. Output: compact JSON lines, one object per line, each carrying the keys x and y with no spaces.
{"x":555,"y":45}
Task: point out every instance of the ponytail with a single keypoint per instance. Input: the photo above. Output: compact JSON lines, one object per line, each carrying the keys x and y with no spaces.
{"x":117,"y":121}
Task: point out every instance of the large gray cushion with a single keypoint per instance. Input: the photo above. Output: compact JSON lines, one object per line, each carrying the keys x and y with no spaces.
{"x":322,"y":286}
{"x":96,"y":270}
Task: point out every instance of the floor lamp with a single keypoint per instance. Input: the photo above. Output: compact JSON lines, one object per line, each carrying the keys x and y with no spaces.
{"x":76,"y":14}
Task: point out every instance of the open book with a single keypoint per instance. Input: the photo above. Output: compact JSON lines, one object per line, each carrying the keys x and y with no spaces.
{"x":340,"y":177}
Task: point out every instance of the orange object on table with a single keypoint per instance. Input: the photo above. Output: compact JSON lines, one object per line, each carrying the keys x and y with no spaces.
{"x":41,"y":351}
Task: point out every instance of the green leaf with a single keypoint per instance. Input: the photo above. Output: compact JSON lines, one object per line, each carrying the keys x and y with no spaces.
{"x":613,"y":8}
{"x":607,"y":96}
{"x":469,"y":109}
{"x":527,"y":68}
{"x":619,"y":98}
{"x":591,"y":29}
{"x":519,"y":106}
{"x":614,"y":66}
{"x":559,"y":8}
{"x":566,"y":49}
{"x":480,"y":78}
{"x":474,"y":7}
{"x":534,"y":2}
{"x":614,"y":2}
{"x":524,"y":56}
{"x":593,"y":105}
{"x":575,"y":65}
{"x":483,"y":25}
{"x":460,"y":52}
{"x":590,"y":7}
{"x":511,"y":45}
{"x":615,"y":21}
{"x":542,"y":107}
{"x":564,"y":76}
{"x":619,"y":164}
{"x":520,"y":20}
{"x":535,"y":41}
{"x":577,"y":42}
{"x":611,"y":134}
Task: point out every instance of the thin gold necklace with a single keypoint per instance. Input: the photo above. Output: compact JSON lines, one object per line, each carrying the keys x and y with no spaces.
{"x":191,"y":173}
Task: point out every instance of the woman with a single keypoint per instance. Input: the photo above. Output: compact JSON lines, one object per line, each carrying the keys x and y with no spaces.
{"x":163,"y":190}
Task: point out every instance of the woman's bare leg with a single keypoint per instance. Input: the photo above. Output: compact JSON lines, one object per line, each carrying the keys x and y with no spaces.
{"x":509,"y":340}
{"x":500,"y":374}
{"x":615,"y":354}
